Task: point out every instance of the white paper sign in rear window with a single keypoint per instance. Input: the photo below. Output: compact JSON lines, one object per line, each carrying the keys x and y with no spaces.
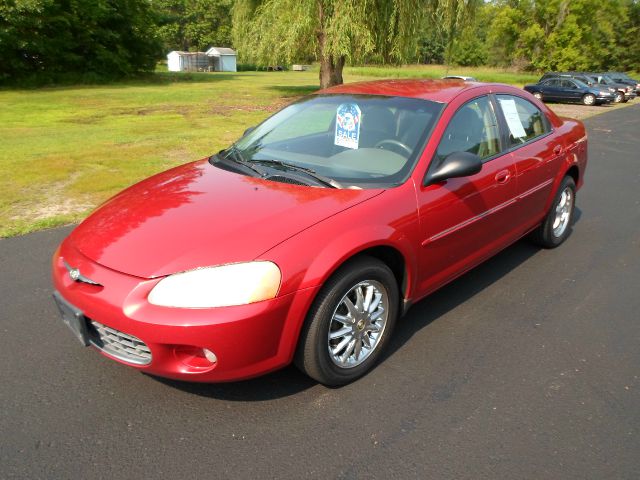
{"x":510,"y":111}
{"x":348,"y":119}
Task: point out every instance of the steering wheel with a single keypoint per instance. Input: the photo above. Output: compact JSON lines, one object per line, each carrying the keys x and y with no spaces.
{"x":394,"y":143}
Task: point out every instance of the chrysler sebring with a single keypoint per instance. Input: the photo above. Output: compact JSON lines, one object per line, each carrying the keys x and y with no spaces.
{"x":306,"y":239}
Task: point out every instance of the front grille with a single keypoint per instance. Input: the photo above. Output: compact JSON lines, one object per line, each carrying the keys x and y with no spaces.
{"x":118,"y":344}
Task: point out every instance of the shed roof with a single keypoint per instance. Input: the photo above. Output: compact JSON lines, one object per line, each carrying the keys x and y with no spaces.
{"x":180,"y":52}
{"x":221,"y":51}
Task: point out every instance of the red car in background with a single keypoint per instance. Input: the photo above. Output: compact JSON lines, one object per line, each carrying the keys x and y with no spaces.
{"x":307,"y":239}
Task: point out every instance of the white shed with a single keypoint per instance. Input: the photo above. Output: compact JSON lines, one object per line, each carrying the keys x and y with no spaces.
{"x":188,"y":61}
{"x":224,"y":59}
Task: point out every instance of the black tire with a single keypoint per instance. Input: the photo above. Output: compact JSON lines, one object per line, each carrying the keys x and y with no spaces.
{"x":625,"y":99}
{"x":589,"y":99}
{"x":619,"y":97}
{"x":312,"y":355}
{"x":545,"y":235}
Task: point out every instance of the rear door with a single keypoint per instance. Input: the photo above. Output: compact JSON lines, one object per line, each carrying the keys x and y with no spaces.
{"x":535,"y":152}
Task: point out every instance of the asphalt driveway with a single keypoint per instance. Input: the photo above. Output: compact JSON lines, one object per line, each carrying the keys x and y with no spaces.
{"x":525,"y":368}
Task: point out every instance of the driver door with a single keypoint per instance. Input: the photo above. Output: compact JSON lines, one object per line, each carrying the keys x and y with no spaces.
{"x":465,"y":220}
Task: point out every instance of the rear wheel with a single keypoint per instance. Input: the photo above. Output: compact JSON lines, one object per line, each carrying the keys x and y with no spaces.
{"x":589,"y":99}
{"x":350,"y":322}
{"x":556,"y":226}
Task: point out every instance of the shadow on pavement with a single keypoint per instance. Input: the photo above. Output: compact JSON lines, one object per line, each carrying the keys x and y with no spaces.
{"x":280,"y":384}
{"x":459,"y":291}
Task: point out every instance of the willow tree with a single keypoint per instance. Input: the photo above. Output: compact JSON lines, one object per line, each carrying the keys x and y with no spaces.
{"x":333,"y":32}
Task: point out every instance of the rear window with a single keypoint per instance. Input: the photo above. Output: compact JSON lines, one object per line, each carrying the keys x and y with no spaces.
{"x":525,"y":121}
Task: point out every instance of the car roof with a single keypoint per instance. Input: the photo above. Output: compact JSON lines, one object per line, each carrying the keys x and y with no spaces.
{"x":426,"y":89}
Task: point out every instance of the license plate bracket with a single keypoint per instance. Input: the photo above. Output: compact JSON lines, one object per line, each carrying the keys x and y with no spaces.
{"x":73,"y":318}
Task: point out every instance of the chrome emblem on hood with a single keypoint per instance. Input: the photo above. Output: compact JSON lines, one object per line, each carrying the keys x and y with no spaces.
{"x":76,"y":276}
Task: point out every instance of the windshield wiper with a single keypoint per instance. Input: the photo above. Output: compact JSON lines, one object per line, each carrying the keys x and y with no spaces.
{"x":312,"y":173}
{"x":232,"y":153}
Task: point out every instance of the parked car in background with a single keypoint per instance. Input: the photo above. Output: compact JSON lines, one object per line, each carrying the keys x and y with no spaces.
{"x":460,"y":77}
{"x":307,"y":238}
{"x":577,"y":75}
{"x":570,"y":90}
{"x":622,"y":77}
{"x":619,"y":91}
{"x":624,"y":90}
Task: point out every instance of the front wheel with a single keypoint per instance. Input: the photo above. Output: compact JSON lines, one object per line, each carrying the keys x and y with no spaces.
{"x":350,"y":322}
{"x":618,"y":98}
{"x":589,"y":99}
{"x":538,"y":95}
{"x":556,"y":226}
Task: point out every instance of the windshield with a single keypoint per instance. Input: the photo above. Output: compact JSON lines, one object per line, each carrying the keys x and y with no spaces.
{"x":603,"y":79}
{"x":366,"y":141}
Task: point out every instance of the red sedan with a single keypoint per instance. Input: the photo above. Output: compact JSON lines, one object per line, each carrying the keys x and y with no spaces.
{"x":307,"y":239}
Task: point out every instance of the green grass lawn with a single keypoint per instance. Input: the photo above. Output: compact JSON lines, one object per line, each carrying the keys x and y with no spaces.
{"x":66,"y":149}
{"x":482,"y":74}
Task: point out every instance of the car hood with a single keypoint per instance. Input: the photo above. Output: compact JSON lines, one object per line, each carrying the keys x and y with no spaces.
{"x":198,"y":215}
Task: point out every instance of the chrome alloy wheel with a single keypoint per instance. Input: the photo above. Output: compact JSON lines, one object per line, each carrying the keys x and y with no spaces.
{"x":358,"y":323}
{"x":563,"y":212}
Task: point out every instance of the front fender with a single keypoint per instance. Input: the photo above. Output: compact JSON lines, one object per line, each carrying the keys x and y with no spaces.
{"x":309,"y":258}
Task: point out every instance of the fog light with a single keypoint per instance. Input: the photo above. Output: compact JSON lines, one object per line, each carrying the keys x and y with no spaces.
{"x":209,"y":355}
{"x":195,"y":357}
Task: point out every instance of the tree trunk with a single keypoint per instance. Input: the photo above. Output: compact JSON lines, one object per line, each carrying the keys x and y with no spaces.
{"x":331,"y":71}
{"x":330,"y":66}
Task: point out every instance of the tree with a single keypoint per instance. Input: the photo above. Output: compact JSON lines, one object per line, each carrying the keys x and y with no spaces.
{"x":559,"y":34}
{"x":468,"y":46}
{"x":51,"y":39}
{"x":332,"y":31}
{"x":194,"y":24}
{"x":629,"y":46}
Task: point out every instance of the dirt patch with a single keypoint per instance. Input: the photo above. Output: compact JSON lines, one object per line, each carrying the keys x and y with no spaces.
{"x":139,"y":111}
{"x":227,"y":110}
{"x":61,"y":207}
{"x":51,"y":203}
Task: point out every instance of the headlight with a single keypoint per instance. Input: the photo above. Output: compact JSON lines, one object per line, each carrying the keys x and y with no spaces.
{"x":222,"y":286}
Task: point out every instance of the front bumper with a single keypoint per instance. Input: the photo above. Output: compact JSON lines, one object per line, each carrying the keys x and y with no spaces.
{"x":605,"y":98}
{"x":248,"y":340}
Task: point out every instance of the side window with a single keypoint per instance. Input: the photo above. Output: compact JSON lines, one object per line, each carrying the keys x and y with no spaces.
{"x":524,"y":120}
{"x":473,"y":129}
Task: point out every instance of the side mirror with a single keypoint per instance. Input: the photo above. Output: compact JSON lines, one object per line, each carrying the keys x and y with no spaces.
{"x":248,"y":131}
{"x":457,"y":164}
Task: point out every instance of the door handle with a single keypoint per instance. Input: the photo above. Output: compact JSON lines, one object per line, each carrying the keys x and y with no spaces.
{"x":557,"y":150}
{"x":503,"y":176}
